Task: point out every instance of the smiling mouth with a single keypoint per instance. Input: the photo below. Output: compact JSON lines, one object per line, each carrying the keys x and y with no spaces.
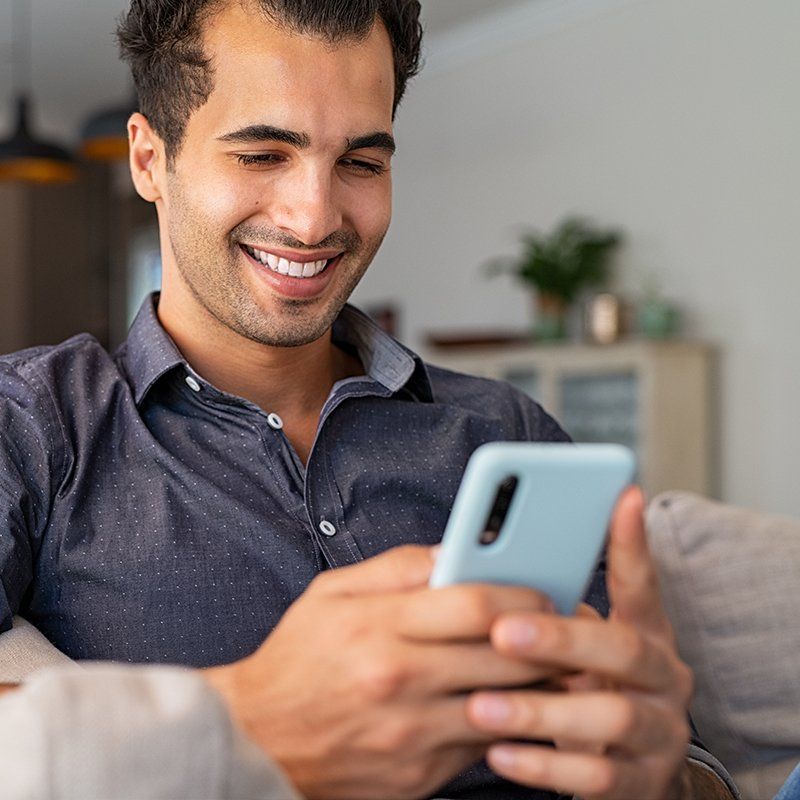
{"x":282,"y":266}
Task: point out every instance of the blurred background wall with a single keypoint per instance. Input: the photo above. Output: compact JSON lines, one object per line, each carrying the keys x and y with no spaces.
{"x":677,"y":120}
{"x":674,"y":120}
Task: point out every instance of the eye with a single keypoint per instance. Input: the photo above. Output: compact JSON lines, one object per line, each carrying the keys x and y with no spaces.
{"x":362,"y":167}
{"x":250,"y":159}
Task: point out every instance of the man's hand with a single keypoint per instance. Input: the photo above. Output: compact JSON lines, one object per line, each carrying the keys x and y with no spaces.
{"x":360,"y":690}
{"x":621,"y":725}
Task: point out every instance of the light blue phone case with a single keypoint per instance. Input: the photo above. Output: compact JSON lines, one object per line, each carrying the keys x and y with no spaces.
{"x":555,"y":526}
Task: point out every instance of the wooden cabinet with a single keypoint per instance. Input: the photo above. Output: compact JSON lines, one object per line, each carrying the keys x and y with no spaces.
{"x":53,"y":267}
{"x":654,"y":397}
{"x":65,"y":253}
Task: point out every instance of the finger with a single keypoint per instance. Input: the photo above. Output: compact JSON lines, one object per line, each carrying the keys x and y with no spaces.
{"x":441,"y":723}
{"x":465,"y":611}
{"x":467,"y":667}
{"x":611,"y":649}
{"x":399,"y":569}
{"x":589,"y":776}
{"x":599,"y":719}
{"x":583,"y":682}
{"x":632,"y":579}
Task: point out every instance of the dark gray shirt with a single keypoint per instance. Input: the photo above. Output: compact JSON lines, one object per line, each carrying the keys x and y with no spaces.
{"x":146,"y":516}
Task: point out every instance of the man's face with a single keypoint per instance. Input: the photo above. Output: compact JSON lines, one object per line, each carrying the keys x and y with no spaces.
{"x":286,"y":168}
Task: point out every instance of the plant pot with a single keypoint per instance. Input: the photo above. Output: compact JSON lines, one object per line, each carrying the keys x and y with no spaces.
{"x":658,"y":319}
{"x":551,"y":317}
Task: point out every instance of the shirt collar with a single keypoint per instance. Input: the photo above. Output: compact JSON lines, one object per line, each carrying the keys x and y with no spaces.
{"x":151,"y":353}
{"x":384,"y":359}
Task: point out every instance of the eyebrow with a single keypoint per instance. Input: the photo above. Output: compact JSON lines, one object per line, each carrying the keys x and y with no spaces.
{"x":379,"y":140}
{"x":267,"y":133}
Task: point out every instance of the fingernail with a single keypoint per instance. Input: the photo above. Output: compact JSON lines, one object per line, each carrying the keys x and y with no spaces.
{"x":518,"y":633}
{"x":491,"y":709}
{"x":502,"y":757}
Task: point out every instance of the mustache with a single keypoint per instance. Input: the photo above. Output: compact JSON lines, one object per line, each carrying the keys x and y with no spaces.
{"x":338,"y":240}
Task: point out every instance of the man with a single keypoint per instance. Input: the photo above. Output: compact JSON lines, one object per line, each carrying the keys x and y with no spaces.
{"x":184,"y":501}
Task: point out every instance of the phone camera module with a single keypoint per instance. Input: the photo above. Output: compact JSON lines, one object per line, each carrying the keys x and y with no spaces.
{"x":499,"y":511}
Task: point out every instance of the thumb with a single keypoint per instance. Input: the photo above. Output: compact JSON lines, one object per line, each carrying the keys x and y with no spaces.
{"x":399,"y":569}
{"x":632,"y":579}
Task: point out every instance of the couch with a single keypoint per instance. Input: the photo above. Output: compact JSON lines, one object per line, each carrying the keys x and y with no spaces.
{"x":730,"y":579}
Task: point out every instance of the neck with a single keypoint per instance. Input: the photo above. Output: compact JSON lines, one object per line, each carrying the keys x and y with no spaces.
{"x":293,"y":382}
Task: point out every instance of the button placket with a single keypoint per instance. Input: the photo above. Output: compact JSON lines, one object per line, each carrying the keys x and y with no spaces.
{"x":325,"y":508}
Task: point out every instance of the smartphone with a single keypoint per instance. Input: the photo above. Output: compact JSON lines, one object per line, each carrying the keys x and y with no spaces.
{"x":533,"y":514}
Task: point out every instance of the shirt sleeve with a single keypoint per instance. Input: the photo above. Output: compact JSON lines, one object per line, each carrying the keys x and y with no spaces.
{"x":30,"y":441}
{"x":534,"y":424}
{"x":117,"y":731}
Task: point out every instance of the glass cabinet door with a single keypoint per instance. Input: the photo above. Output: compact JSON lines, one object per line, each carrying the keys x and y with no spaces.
{"x":525,"y":380}
{"x":601,"y":408}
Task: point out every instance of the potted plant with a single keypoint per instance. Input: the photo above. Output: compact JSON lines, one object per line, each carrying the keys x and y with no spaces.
{"x":575,"y":256}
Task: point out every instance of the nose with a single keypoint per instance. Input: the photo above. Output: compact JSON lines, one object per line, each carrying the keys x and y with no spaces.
{"x":306,"y":207}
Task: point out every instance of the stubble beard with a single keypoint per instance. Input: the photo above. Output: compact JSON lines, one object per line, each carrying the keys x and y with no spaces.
{"x":217,"y":282}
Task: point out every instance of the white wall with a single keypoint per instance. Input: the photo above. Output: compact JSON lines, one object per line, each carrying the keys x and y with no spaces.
{"x":678,"y":120}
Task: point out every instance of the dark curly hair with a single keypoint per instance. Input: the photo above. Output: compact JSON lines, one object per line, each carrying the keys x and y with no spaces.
{"x":161,"y":41}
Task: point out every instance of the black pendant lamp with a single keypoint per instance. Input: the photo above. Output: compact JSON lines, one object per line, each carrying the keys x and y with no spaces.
{"x":23,"y":157}
{"x":104,"y":136}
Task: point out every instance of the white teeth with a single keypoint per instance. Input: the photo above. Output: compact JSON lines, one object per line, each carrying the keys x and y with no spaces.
{"x":285,"y":267}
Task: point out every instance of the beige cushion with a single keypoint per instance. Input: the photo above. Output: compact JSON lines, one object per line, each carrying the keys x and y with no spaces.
{"x":731,"y":585}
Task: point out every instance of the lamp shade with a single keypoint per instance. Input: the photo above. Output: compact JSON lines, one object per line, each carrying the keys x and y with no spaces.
{"x":24,"y":158}
{"x":104,"y":136}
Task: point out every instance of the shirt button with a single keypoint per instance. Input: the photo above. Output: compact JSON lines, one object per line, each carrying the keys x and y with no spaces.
{"x":192,"y":383}
{"x":326,"y":528}
{"x":275,"y":422}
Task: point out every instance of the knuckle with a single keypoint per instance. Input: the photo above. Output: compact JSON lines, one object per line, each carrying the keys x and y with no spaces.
{"x":623,"y":718}
{"x":556,"y":636}
{"x":393,"y":737}
{"x":476,"y":608}
{"x":634,"y":650}
{"x":381,"y":678}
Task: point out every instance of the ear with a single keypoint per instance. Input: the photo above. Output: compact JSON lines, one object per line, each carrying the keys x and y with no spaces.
{"x":147,"y":158}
